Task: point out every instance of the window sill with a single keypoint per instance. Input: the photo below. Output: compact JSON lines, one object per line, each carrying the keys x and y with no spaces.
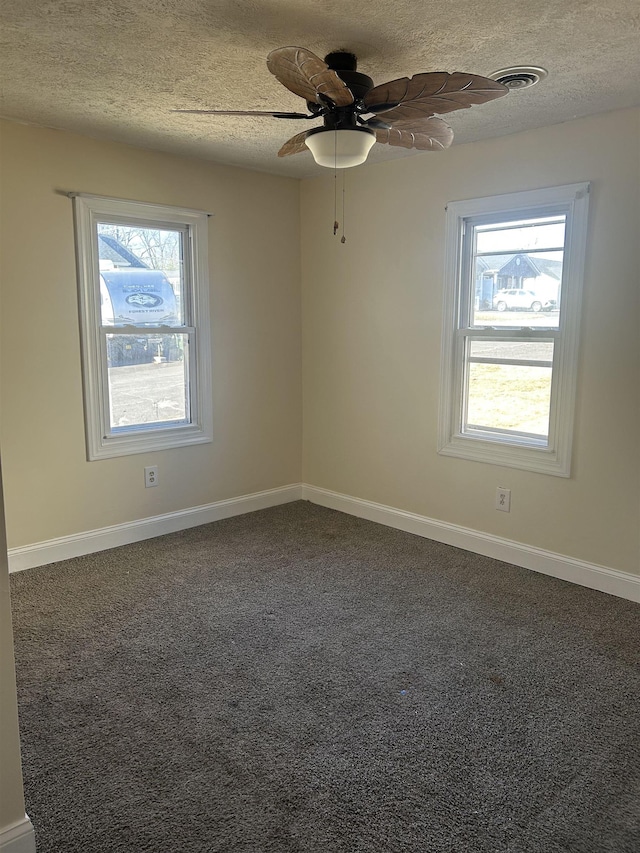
{"x":538,"y":459}
{"x":143,"y":442}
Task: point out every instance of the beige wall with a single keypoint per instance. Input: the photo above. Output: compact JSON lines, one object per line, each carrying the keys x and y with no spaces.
{"x":372,"y":328}
{"x":372,"y":336}
{"x":50,"y":488}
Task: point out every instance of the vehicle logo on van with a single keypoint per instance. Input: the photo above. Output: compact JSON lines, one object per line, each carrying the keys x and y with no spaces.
{"x":146,"y":300}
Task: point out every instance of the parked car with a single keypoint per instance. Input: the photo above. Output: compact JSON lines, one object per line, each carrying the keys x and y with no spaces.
{"x":515,"y":298}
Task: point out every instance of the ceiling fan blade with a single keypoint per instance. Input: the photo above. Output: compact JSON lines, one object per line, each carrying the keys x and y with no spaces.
{"x":432,"y":125}
{"x":429,"y":94}
{"x":305,"y":74}
{"x":295,"y":145}
{"x":431,"y":134}
{"x":244,"y":113}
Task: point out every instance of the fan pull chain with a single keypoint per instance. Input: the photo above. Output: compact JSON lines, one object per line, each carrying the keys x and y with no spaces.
{"x":343,"y":238}
{"x":336,"y":224}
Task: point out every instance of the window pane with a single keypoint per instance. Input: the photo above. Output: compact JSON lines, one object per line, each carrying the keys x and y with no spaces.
{"x":148,"y":380}
{"x":508,"y":398}
{"x":517,"y":273}
{"x":141,"y":275}
{"x":539,"y":351}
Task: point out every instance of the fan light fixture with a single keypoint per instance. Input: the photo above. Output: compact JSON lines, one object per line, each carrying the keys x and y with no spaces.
{"x":340,"y":149}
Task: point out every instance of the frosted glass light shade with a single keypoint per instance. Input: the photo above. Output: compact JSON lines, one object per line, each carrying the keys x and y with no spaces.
{"x":340,"y":149}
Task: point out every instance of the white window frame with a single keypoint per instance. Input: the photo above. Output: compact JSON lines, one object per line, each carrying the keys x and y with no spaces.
{"x":554,"y":455}
{"x":102,"y":442}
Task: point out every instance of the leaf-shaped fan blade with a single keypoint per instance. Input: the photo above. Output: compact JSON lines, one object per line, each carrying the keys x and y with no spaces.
{"x":243,"y":113}
{"x":295,"y":145}
{"x":429,"y":94}
{"x":431,"y":134}
{"x":305,"y":74}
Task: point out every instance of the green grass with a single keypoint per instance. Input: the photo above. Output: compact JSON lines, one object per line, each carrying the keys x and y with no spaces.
{"x":509,"y":397}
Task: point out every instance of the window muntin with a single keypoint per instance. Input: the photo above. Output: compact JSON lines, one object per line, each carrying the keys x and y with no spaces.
{"x":514,"y":273}
{"x":143,"y":288}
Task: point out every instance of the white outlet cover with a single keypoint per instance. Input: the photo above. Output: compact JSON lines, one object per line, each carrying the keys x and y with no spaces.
{"x":503,"y":499}
{"x":151,"y":476}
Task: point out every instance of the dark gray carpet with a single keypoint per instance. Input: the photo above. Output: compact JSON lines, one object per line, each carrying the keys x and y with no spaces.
{"x":301,"y":680}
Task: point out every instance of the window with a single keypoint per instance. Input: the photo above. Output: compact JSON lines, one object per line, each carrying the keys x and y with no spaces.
{"x":143,"y":283}
{"x":513,"y":281}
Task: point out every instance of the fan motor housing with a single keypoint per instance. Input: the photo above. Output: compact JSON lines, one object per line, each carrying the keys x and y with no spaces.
{"x":357,"y":82}
{"x":345,"y":64}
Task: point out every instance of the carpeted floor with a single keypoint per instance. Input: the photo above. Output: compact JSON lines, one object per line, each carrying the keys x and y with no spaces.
{"x":301,"y":681}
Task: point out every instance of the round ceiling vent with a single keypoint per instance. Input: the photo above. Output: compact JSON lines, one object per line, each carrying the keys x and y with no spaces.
{"x":520,"y":77}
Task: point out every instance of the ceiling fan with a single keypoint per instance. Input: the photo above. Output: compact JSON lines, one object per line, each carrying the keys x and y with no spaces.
{"x":401,"y":112}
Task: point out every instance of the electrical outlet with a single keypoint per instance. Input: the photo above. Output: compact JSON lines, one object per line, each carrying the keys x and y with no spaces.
{"x":150,"y":476}
{"x":503,"y":499}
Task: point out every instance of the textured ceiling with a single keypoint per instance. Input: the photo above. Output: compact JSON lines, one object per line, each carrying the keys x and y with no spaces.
{"x":116,"y":68}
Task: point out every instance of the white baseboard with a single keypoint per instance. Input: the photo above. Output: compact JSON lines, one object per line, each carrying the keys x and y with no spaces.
{"x":604,"y":579}
{"x":90,"y":541}
{"x":607,"y":580}
{"x":18,"y":837}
